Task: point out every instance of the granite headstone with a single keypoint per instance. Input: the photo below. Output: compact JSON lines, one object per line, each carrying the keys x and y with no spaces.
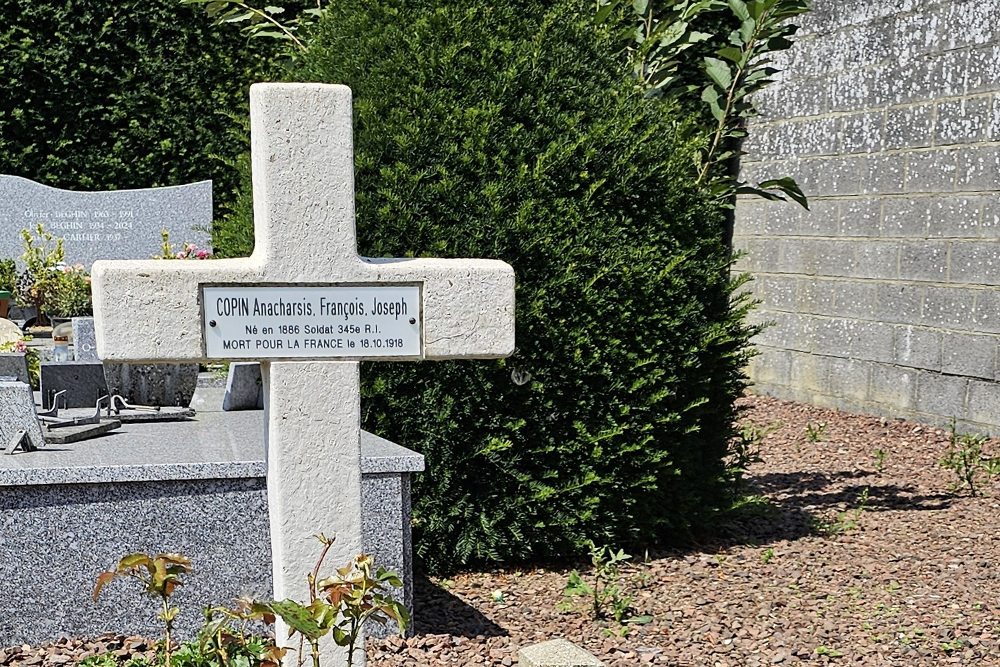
{"x":162,"y":385}
{"x":115,"y":224}
{"x":244,"y":387}
{"x":17,"y":413}
{"x":83,"y":382}
{"x":15,"y":365}
{"x":84,"y":339}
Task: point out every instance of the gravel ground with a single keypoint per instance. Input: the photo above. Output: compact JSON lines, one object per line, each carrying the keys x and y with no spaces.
{"x":849,"y":558}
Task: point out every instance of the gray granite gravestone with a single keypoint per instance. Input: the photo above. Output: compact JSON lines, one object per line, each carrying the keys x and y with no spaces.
{"x":118,"y":224}
{"x":83,"y":382}
{"x":14,"y":365}
{"x":244,"y":387}
{"x":17,"y":413}
{"x":84,"y":339}
{"x":163,"y":385}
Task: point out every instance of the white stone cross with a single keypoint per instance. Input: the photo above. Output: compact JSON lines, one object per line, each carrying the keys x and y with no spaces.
{"x":303,"y":191}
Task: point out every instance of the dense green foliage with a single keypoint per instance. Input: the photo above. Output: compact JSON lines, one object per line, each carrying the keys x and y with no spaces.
{"x":509,"y":130}
{"x":101,"y":94}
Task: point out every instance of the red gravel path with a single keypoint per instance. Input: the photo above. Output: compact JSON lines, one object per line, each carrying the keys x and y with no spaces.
{"x":818,"y":575}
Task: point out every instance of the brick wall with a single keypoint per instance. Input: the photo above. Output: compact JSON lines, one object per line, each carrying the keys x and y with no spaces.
{"x":884,"y":298}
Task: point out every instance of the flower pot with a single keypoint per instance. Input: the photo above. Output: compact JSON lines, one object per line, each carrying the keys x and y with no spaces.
{"x":164,"y":385}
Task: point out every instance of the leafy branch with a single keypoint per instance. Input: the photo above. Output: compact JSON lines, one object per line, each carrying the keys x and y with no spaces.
{"x":261,"y":22}
{"x":734,"y":68}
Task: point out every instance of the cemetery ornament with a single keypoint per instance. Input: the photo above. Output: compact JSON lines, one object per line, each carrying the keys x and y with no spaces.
{"x":304,"y":257}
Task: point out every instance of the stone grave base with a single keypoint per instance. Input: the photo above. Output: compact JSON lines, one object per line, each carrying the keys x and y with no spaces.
{"x":70,"y":511}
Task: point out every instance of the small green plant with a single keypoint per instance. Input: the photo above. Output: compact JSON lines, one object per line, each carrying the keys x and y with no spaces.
{"x":262,"y":22}
{"x":160,"y":575}
{"x":966,"y":458}
{"x":30,"y":354}
{"x":43,"y":255}
{"x":815,"y":432}
{"x":744,"y":450}
{"x":339,"y":605}
{"x":607,"y":594}
{"x":831,"y":652}
{"x":70,"y":295}
{"x":8,"y":276}
{"x":846,"y":521}
{"x":187,"y":251}
{"x":880,"y":456}
{"x":767,"y":555}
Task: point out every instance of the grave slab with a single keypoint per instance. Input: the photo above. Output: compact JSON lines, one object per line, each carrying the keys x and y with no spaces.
{"x":196,"y":487}
{"x":84,"y":339}
{"x":70,"y":434}
{"x":83,"y":382}
{"x":164,"y":385}
{"x":119,"y":224}
{"x":17,"y":413}
{"x":15,"y":365}
{"x":244,"y":387}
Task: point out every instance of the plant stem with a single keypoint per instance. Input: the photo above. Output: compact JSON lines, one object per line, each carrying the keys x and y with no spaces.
{"x":168,"y":626}
{"x":275,"y":23}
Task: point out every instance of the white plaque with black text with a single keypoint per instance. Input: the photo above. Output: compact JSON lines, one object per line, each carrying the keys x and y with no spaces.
{"x":354,"y":322}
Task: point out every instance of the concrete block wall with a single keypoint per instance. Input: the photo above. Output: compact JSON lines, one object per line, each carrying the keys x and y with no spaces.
{"x":885,"y":297}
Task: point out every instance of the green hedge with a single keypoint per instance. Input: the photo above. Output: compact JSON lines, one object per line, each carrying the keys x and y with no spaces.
{"x":121,"y":94}
{"x":508,"y":130}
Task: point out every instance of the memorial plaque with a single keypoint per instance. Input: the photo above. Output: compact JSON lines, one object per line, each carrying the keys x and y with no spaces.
{"x":115,"y":224}
{"x":304,"y":322}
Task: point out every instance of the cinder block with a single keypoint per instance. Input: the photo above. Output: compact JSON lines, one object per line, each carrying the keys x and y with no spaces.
{"x":810,"y":372}
{"x":877,"y":259}
{"x":861,"y":132}
{"x":983,"y":403}
{"x":899,"y":302}
{"x":797,"y":256}
{"x":884,"y":174}
{"x":956,"y":216}
{"x":777,"y":292}
{"x":970,"y":355}
{"x":855,"y":299}
{"x":909,"y":126}
{"x":844,"y":175}
{"x":979,"y":169}
{"x":961,"y":121}
{"x":931,"y":170}
{"x":822,"y":218}
{"x":815,"y":295}
{"x":785,"y":220}
{"x":917,"y":347}
{"x":872,"y":341}
{"x":772,"y":367}
{"x":849,"y":379}
{"x":893,"y":386}
{"x":975,"y":262}
{"x":831,"y":337}
{"x":941,"y":394}
{"x":814,"y":136}
{"x":751,"y":216}
{"x":907,"y":217}
{"x":947,"y":307}
{"x":860,"y":217}
{"x":756,"y":254}
{"x":966,"y":23}
{"x":986,"y":311}
{"x":924,"y":260}
{"x":981,"y":69}
{"x":835,"y":258}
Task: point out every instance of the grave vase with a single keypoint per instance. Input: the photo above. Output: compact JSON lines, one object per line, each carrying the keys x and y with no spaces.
{"x":163,"y":385}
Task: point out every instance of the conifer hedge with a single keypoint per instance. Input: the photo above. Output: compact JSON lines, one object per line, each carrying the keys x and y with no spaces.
{"x":111,"y":94}
{"x":509,"y":130}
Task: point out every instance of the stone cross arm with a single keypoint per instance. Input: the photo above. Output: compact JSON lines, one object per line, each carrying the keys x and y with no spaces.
{"x":303,"y":191}
{"x":152,"y":309}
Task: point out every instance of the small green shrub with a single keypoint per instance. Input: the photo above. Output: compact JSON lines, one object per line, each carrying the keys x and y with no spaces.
{"x":8,"y":276}
{"x":968,"y":460}
{"x":509,"y":130}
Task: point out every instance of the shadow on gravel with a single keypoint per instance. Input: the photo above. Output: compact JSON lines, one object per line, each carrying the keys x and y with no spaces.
{"x":438,"y":612}
{"x":799,"y":505}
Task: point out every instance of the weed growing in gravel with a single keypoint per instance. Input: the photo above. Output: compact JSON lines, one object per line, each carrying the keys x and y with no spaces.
{"x":744,"y":450}
{"x":880,"y":456}
{"x":767,"y":555}
{"x":846,"y":521}
{"x":815,"y":432}
{"x":831,"y":652}
{"x":967,"y":460}
{"x":160,"y":575}
{"x":607,"y":594}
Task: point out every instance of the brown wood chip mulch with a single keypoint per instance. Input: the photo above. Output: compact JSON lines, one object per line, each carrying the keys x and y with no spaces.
{"x":852,"y":557}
